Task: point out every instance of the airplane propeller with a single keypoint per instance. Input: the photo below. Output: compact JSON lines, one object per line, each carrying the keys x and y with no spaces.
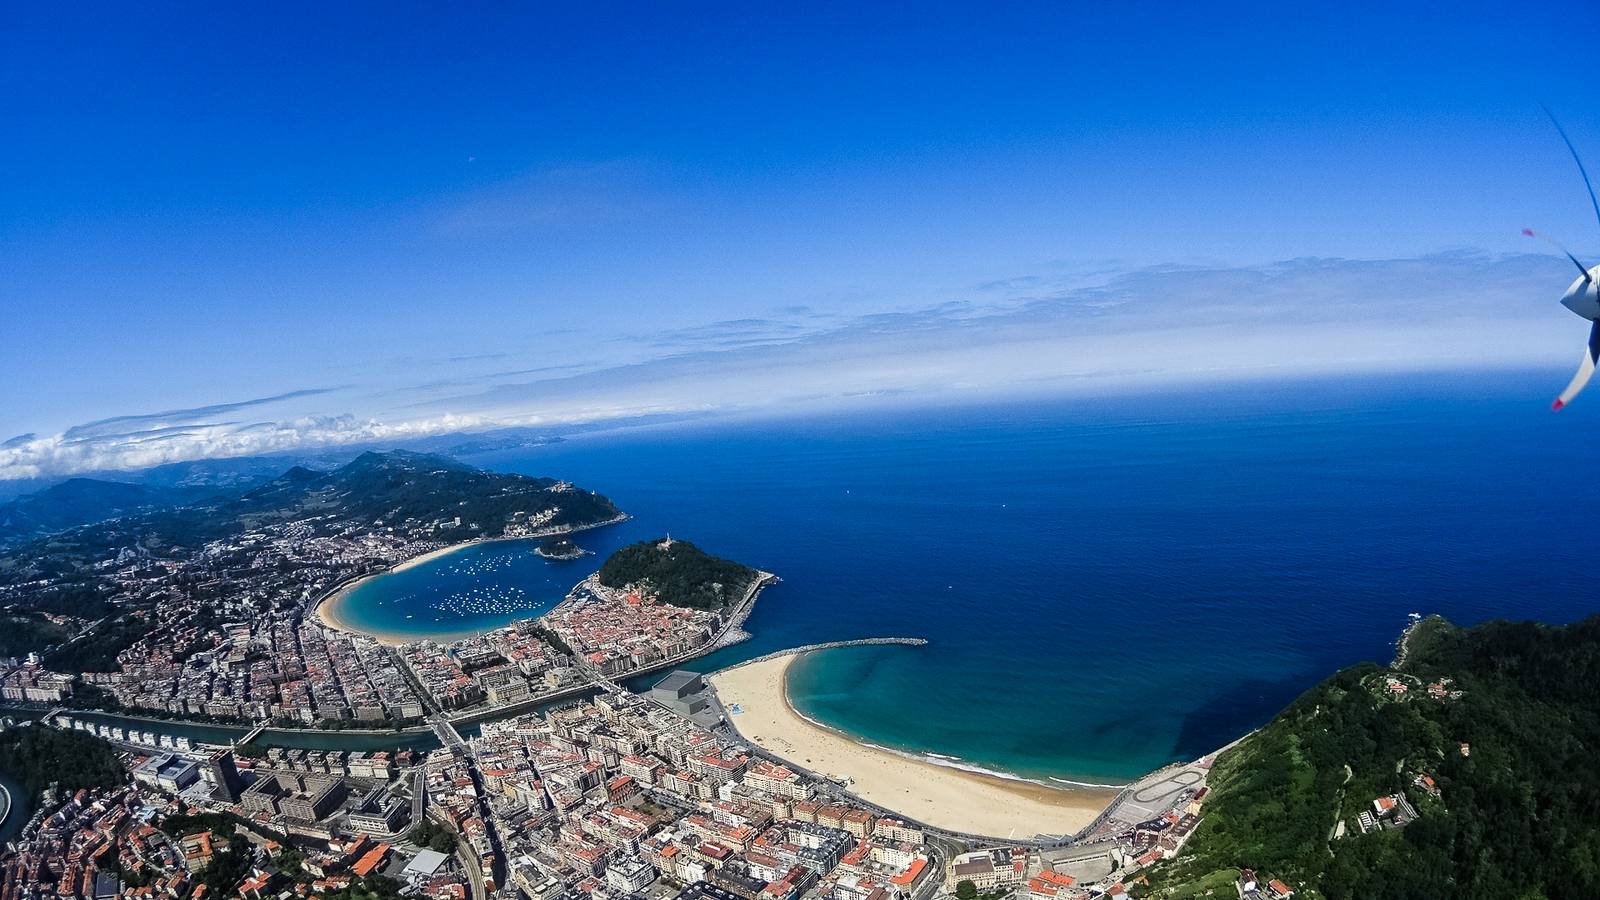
{"x":1565,"y":252}
{"x":1589,"y":185}
{"x":1583,"y":297}
{"x":1591,"y":357}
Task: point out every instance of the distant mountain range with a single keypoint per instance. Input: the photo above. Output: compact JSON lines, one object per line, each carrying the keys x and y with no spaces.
{"x":84,"y":517}
{"x":243,"y":471}
{"x":81,"y":501}
{"x":44,"y":507}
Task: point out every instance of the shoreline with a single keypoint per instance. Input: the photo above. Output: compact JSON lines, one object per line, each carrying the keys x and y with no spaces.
{"x":941,"y":795}
{"x":430,"y":556}
{"x":325,"y":611}
{"x":562,"y":557}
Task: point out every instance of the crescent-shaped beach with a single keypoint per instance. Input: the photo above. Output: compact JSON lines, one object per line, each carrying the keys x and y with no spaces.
{"x":941,"y":796}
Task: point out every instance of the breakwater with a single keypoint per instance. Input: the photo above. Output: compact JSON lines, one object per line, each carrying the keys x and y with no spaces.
{"x":829,"y":645}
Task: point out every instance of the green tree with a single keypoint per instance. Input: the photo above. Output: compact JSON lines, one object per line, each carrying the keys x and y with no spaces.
{"x":36,"y":755}
{"x":433,"y":836}
{"x":966,"y":890}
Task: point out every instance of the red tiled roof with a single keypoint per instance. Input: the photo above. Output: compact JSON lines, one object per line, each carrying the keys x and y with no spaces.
{"x":911,"y":873}
{"x":371,"y":861}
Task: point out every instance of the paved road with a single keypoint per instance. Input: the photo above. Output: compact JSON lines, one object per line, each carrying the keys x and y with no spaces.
{"x":469,"y":860}
{"x":940,"y":852}
{"x":419,"y":793}
{"x":448,"y":736}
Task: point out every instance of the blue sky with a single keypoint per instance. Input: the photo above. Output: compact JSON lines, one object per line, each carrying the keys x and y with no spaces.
{"x":401,"y":221}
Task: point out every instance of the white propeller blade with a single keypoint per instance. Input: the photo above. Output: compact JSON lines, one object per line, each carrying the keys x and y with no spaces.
{"x":1591,"y":354}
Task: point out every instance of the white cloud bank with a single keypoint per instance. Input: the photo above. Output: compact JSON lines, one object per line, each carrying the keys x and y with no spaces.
{"x":1295,"y":318}
{"x":33,"y":456}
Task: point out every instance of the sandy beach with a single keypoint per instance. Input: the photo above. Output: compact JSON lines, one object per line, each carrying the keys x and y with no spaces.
{"x":432,"y":555}
{"x":938,"y":795}
{"x":327,"y":609}
{"x":327,"y":613}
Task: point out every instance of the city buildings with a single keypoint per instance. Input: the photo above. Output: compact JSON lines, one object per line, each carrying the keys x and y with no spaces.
{"x":29,"y":683}
{"x":306,"y":798}
{"x":615,"y":632}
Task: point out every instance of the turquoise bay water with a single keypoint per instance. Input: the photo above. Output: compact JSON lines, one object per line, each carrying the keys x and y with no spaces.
{"x":1108,"y":584}
{"x":472,"y":590}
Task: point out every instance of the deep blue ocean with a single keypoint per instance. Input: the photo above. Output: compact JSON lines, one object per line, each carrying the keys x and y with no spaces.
{"x":1108,"y":584}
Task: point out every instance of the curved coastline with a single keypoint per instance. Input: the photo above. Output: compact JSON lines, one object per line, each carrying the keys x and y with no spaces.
{"x":325,"y":611}
{"x":430,"y":556}
{"x":939,"y":759}
{"x":941,"y":792}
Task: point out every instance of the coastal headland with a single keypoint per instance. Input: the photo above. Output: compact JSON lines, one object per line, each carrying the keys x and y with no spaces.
{"x":942,"y":796}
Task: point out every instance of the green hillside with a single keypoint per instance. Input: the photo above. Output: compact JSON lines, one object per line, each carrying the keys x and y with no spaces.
{"x":34,"y":756}
{"x":374,"y":490}
{"x":1517,"y":815}
{"x":80,"y":501}
{"x":680,"y":573}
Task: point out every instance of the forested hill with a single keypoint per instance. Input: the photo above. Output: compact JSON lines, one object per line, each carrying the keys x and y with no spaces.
{"x":1510,"y":743}
{"x":679,"y":573}
{"x":79,"y":501}
{"x":35,"y":756}
{"x":400,"y":485}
